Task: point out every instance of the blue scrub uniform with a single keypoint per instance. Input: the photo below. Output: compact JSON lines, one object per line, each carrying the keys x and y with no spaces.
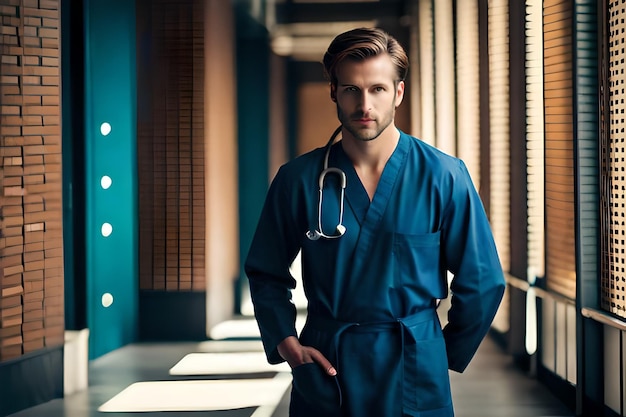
{"x":372,"y":293}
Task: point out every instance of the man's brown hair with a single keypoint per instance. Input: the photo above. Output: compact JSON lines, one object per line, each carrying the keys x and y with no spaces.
{"x":360,"y":44}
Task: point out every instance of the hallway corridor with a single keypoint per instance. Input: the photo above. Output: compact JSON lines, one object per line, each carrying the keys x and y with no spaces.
{"x":172,"y":383}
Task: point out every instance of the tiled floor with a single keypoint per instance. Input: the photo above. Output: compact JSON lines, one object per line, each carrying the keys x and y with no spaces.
{"x":492,"y":386}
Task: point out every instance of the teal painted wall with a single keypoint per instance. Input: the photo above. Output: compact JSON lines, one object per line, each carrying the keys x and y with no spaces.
{"x":110,"y":97}
{"x":253,"y":128}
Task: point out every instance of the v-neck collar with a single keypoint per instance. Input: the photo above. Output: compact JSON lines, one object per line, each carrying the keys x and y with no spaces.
{"x":356,"y":195}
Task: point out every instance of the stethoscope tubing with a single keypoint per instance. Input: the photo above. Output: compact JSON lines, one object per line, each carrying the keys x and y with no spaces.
{"x":340,"y":229}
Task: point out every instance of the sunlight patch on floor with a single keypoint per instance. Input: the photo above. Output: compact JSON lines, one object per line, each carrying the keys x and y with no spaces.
{"x":240,"y":328}
{"x":243,"y":329}
{"x":198,"y":395}
{"x":217,"y":346}
{"x":225,"y":364}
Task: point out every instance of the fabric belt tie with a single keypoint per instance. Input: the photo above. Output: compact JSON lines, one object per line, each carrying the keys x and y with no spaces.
{"x":408,"y":344}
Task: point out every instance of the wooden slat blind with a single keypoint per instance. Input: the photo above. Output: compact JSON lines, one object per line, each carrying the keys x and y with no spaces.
{"x":171,"y":146}
{"x":426,"y":72}
{"x":499,"y":126}
{"x":613,"y":292}
{"x":535,"y":136}
{"x":445,"y":110}
{"x":559,"y":148}
{"x":468,"y":86}
{"x":587,"y":128}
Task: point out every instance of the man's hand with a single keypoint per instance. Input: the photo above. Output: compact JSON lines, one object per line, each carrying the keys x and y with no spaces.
{"x":295,"y":354}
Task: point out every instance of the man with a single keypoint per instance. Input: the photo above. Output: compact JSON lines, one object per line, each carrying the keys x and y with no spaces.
{"x":373,"y":269}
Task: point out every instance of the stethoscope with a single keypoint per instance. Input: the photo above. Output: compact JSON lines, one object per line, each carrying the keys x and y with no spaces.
{"x":340,"y":229}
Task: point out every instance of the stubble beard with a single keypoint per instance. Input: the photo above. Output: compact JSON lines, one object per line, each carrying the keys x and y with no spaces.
{"x":363,"y":134}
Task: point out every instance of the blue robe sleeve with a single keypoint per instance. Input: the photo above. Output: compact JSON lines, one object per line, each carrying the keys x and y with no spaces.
{"x":478,"y":284}
{"x":274,"y":247}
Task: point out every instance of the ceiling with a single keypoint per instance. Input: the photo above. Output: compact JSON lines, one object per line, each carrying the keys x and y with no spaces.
{"x":303,"y":29}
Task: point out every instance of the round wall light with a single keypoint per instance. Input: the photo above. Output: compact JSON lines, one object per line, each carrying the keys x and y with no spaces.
{"x":107,"y":300}
{"x":106,"y":182}
{"x":105,"y":129}
{"x":106,"y":229}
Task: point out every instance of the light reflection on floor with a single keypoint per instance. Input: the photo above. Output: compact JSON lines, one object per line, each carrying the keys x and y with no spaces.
{"x":231,"y":353}
{"x":227,"y":363}
{"x":211,"y":395}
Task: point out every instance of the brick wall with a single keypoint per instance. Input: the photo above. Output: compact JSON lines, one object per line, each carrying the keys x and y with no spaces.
{"x":31,"y":239}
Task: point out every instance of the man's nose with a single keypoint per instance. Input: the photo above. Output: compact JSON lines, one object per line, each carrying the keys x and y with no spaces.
{"x":365,"y":101}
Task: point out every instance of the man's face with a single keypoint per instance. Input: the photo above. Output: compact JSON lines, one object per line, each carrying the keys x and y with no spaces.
{"x":367,"y":94}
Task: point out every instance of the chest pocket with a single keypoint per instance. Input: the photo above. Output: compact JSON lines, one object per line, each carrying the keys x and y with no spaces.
{"x":417,"y":264}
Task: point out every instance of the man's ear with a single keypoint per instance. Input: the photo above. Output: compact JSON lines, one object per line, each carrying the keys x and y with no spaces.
{"x":399,"y":93}
{"x":333,"y":93}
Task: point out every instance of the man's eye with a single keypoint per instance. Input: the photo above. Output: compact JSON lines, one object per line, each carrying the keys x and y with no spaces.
{"x":379,"y":89}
